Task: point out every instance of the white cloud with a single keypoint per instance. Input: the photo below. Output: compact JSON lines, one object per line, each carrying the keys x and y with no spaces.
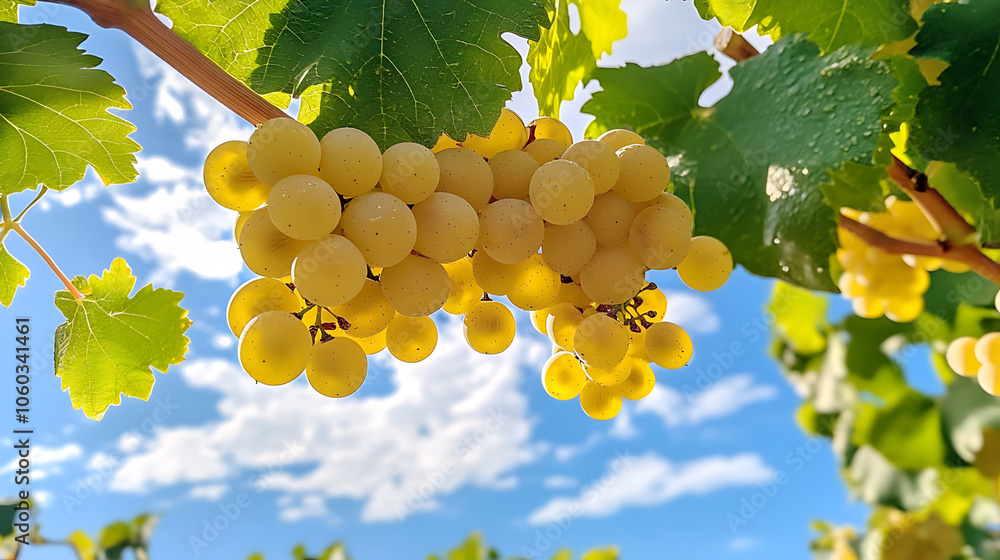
{"x":692,"y":312}
{"x":210,"y":492}
{"x":651,"y":480}
{"x":46,"y":460}
{"x":566,"y":452}
{"x":295,"y":508}
{"x":560,"y":482}
{"x":723,"y":398}
{"x":454,"y":420}
{"x":739,"y":544}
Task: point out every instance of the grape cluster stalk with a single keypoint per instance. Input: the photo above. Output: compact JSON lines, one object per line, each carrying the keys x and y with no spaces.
{"x":356,"y":248}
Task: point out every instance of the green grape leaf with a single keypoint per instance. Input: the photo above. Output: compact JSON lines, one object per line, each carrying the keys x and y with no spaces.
{"x":858,"y":186}
{"x":799,"y":317}
{"x":959,"y":120}
{"x":400,"y":71}
{"x":560,"y":60}
{"x":907,"y":432}
{"x":657,"y":102}
{"x":8,"y":9}
{"x":869,"y":368}
{"x":109,"y":340}
{"x":82,"y":545}
{"x":610,"y":553}
{"x":55,"y":106}
{"x":830,"y":23}
{"x":13,"y":274}
{"x":876,"y":481}
{"x":965,"y":411}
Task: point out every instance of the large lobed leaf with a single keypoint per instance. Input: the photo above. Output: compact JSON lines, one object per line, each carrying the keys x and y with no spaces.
{"x":13,"y":275}
{"x":54,"y":118}
{"x":400,"y":71}
{"x":110,"y":340}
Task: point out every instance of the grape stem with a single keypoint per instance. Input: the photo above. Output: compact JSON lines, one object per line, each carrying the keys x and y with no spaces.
{"x":14,"y":224}
{"x":136,"y":19}
{"x":942,"y":215}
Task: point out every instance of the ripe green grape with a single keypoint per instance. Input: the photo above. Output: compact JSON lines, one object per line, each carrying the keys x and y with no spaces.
{"x":511,"y":231}
{"x":561,"y":192}
{"x":619,"y":138}
{"x":550,"y":128}
{"x":563,"y":321}
{"x":644,"y":173}
{"x":411,"y":339}
{"x":410,"y":172}
{"x":368,"y":312}
{"x":707,"y":265}
{"x":303,"y":207}
{"x":671,"y":202}
{"x":614,"y":275}
{"x":601,"y":341}
{"x":661,"y":236}
{"x":489,"y":327}
{"x":266,"y":250}
{"x":258,"y":296}
{"x":611,"y":376}
{"x":599,"y":402}
{"x":229,"y":180}
{"x":961,"y":356}
{"x":668,"y":345}
{"x":599,"y":160}
{"x":464,"y":292}
{"x":275,"y":347}
{"x":382,"y":226}
{"x":610,"y":218}
{"x":492,"y":276}
{"x":563,"y":376}
{"x":987,"y":349}
{"x":466,"y":174}
{"x":350,"y":161}
{"x":447,"y":227}
{"x":639,"y":383}
{"x":534,"y":285}
{"x":566,"y":249}
{"x":337,"y":368}
{"x":512,"y":171}
{"x":283,"y":147}
{"x":544,"y":150}
{"x":416,"y":286}
{"x":989,"y":380}
{"x":329,"y":271}
{"x":507,"y":134}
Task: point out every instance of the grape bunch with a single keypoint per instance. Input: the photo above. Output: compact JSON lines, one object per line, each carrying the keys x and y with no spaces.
{"x":969,"y":356}
{"x":356,"y":248}
{"x":879,"y":283}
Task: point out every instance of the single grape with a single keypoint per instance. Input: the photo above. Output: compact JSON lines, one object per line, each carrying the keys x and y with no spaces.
{"x":350,"y":161}
{"x":668,"y":345}
{"x":661,"y":236}
{"x":411,"y":339}
{"x":563,"y":321}
{"x":599,"y":402}
{"x":961,"y":356}
{"x":987,"y":350}
{"x":466,"y":174}
{"x":561,"y":192}
{"x":511,"y":231}
{"x":996,"y":301}
{"x":640,"y":381}
{"x":653,"y":301}
{"x":538,"y":319}
{"x":989,"y":380}
{"x":563,"y":377}
{"x":601,"y":341}
{"x":266,"y":250}
{"x":619,"y":138}
{"x":612,"y":376}
{"x":545,"y":150}
{"x":410,"y":172}
{"x":382,"y":226}
{"x":671,"y":202}
{"x":464,"y":292}
{"x":416,"y":286}
{"x":534,"y":285}
{"x":599,"y":160}
{"x":905,"y":308}
{"x":447,"y":227}
{"x":258,"y":296}
{"x":611,"y":217}
{"x":507,"y":134}
{"x":229,"y":180}
{"x":489,"y":327}
{"x":571,"y":292}
{"x":337,"y":368}
{"x":275,"y":347}
{"x":283,"y":147}
{"x":241,"y":221}
{"x":373,"y":344}
{"x":566,"y":249}
{"x":550,"y":128}
{"x":707,"y":265}
{"x":867,"y":308}
{"x":329,"y":271}
{"x":644,"y":173}
{"x":614,"y":275}
{"x":368,"y":312}
{"x":512,"y":171}
{"x":492,"y":276}
{"x":637,"y":345}
{"x":303,"y":207}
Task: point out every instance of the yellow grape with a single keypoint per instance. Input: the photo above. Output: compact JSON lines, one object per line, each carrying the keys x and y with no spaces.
{"x":447,"y":227}
{"x":662,"y":237}
{"x":350,"y":161}
{"x":599,"y":402}
{"x":563,"y":377}
{"x":382,"y":226}
{"x":538,"y":319}
{"x":545,"y":150}
{"x":668,"y":345}
{"x":337,"y":368}
{"x":411,"y":339}
{"x":996,"y":301}
{"x":640,"y":381}
{"x":867,"y":308}
{"x":611,"y":376}
{"x":258,"y":296}
{"x":410,"y":172}
{"x":534,"y":285}
{"x":566,"y":249}
{"x":599,"y":160}
{"x":707,"y":265}
{"x":614,"y":275}
{"x":466,"y":174}
{"x":512,"y":171}
{"x":368,"y":312}
{"x":283,"y":147}
{"x":375,"y":343}
{"x":849,"y":285}
{"x":241,"y":221}
{"x":644,"y":173}
{"x":561,"y":325}
{"x":444,"y":142}
{"x":275,"y":347}
{"x":489,"y":327}
{"x":987,"y":350}
{"x":989,"y":380}
{"x":329,"y":271}
{"x":415,"y":287}
{"x":303,"y":207}
{"x":905,"y":308}
{"x":619,"y":138}
{"x":464,"y":292}
{"x":561,"y":192}
{"x":674,"y":203}
{"x":571,"y":292}
{"x":961,"y":356}
{"x":653,"y":301}
{"x":511,"y":231}
{"x":507,"y":134}
{"x":610,"y":218}
{"x":229,"y":180}
{"x":266,"y":250}
{"x":492,"y":276}
{"x":550,"y":128}
{"x":637,"y":345}
{"x":601,"y":341}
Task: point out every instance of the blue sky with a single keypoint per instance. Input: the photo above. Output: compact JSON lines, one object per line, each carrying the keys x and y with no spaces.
{"x":425,"y":453}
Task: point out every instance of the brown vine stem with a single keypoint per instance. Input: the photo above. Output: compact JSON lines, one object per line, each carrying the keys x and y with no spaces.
{"x":16,"y":227}
{"x":942,"y":215}
{"x":136,"y":18}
